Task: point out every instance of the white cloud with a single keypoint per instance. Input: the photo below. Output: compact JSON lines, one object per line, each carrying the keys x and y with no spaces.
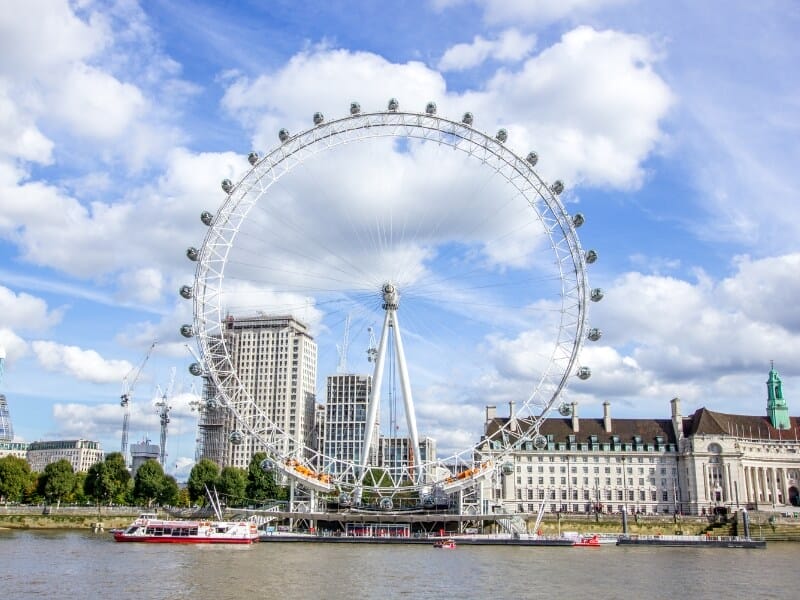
{"x":142,"y":285}
{"x":15,"y":347}
{"x":510,"y":46}
{"x":24,"y":312}
{"x":86,"y":365}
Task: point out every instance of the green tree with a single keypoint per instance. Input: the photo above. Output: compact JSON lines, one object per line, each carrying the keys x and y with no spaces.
{"x":232,"y":483}
{"x":261,"y":485}
{"x":77,"y":496}
{"x":14,"y":477}
{"x":183,"y":497}
{"x":170,"y":493}
{"x":204,"y":473}
{"x":148,"y":483}
{"x":121,"y":477}
{"x":57,"y":481}
{"x":108,"y":481}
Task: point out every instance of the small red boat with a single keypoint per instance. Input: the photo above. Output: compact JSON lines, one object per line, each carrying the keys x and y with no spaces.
{"x":588,"y":541}
{"x":449,"y":544}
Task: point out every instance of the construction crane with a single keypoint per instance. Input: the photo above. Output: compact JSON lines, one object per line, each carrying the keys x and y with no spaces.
{"x":163,"y":412}
{"x":128,"y":384}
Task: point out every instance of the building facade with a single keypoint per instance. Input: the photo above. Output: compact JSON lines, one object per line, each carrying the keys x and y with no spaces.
{"x":18,"y":449}
{"x":346,"y":402}
{"x":276,"y":362}
{"x":708,"y":462}
{"x":81,"y":454}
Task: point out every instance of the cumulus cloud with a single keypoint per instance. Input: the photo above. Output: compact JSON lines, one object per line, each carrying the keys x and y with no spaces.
{"x":511,"y":45}
{"x":86,"y":365}
{"x":24,"y":312}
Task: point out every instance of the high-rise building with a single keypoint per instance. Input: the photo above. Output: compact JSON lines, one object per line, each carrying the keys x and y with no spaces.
{"x":346,"y":420}
{"x":6,"y":431}
{"x":275,"y":358}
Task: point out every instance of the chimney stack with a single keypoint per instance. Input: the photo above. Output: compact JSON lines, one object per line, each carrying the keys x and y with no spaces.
{"x":607,"y":416}
{"x":677,"y":419}
{"x":575,"y":424}
{"x":491,"y":413}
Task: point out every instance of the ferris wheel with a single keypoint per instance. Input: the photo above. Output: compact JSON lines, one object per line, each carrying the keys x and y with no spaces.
{"x":424,"y":230}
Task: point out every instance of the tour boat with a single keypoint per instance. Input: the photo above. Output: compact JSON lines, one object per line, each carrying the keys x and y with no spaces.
{"x":446,"y":544}
{"x":149,"y":528}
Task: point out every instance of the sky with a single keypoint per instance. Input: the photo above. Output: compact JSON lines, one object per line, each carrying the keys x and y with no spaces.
{"x":673,"y":125}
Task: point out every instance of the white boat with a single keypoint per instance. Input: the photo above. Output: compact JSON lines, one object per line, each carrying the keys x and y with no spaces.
{"x":149,"y":528}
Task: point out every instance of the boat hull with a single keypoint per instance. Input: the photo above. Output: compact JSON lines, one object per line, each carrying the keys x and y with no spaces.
{"x":151,"y":539}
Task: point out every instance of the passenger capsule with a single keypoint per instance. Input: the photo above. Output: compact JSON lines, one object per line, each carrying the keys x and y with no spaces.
{"x":345,"y":499}
{"x":467,"y":119}
{"x":393,"y":105}
{"x":508,"y":468}
{"x":578,"y":219}
{"x":386,"y":504}
{"x":430,"y":108}
{"x":539,"y":441}
{"x":267,"y":465}
{"x":318,"y":118}
{"x":564,"y":409}
{"x":597,"y":295}
{"x":283,"y":135}
{"x":212,"y":404}
{"x":192,"y":253}
{"x":195,"y":369}
{"x":584,"y":373}
{"x":355,"y":108}
{"x":227,"y":186}
{"x":187,"y":331}
{"x":591,"y":256}
{"x":236,"y":438}
{"x":594,"y":334}
{"x":206,"y":217}
{"x":502,"y":136}
{"x":252,"y":158}
{"x":186,"y":292}
{"x":557,"y":187}
{"x":532,"y":158}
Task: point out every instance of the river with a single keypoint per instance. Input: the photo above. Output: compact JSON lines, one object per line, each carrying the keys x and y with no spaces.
{"x":82,"y":565}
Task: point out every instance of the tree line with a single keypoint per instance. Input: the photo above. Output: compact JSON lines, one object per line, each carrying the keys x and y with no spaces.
{"x":109,"y":482}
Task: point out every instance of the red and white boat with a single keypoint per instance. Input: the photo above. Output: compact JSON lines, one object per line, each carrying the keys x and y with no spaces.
{"x":149,"y":528}
{"x":449,"y":544}
{"x":588,"y":541}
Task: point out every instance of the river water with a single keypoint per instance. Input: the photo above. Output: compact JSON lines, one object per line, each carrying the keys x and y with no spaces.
{"x":81,"y":565}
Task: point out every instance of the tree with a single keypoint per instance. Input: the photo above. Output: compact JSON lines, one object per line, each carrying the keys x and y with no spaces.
{"x":148,"y":483}
{"x":261,"y":485}
{"x":57,"y":481}
{"x":170,"y":493}
{"x":204,"y":473}
{"x":14,"y":476}
{"x":120,"y":475}
{"x":108,"y":481}
{"x":232,"y":482}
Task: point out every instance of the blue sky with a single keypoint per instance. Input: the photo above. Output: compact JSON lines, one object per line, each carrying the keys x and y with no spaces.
{"x":673,"y":124}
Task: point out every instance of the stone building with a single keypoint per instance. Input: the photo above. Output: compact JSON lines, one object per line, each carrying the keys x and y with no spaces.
{"x":698,"y":464}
